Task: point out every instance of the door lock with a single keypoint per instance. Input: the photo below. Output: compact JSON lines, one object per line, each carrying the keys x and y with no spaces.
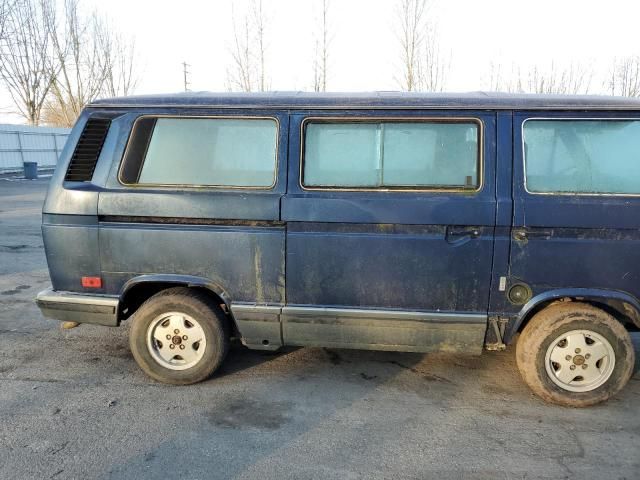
{"x":520,"y":235}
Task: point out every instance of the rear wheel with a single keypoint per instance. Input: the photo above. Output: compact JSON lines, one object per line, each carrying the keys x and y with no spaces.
{"x":179,"y":336}
{"x":575,"y":354}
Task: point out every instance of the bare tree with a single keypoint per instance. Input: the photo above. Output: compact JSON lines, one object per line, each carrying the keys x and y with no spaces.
{"x":321,"y":57}
{"x":118,"y":64}
{"x":25,"y":66}
{"x":77,"y":43}
{"x":573,"y":79}
{"x":624,"y":78}
{"x":4,"y":11}
{"x":433,"y":67}
{"x":89,"y":60}
{"x":5,"y":7}
{"x":495,"y":82}
{"x":260,"y":27}
{"x":239,"y":74}
{"x":510,"y":80}
{"x":247,"y":72}
{"x":422,"y":64}
{"x":410,"y":36}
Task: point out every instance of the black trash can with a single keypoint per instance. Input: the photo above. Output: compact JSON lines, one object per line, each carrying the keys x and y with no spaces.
{"x":30,"y":170}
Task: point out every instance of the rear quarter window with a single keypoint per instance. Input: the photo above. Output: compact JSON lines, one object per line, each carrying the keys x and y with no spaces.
{"x":218,"y":152}
{"x":582,"y":156}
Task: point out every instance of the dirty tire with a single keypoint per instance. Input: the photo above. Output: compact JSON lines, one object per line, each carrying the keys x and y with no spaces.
{"x":202,"y":309}
{"x":546,"y":326}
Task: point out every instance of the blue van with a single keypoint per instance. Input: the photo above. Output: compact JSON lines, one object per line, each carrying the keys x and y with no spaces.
{"x":384,"y":221}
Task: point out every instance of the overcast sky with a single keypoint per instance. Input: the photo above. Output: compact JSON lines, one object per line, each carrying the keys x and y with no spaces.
{"x":364,"y":48}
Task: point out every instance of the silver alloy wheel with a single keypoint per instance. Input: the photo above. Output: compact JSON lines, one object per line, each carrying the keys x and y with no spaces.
{"x":176,"y":341}
{"x":580,"y":360}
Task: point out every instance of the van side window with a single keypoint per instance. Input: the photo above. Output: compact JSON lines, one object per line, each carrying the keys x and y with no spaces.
{"x":582,"y":156}
{"x":392,"y":154}
{"x":219,"y":152}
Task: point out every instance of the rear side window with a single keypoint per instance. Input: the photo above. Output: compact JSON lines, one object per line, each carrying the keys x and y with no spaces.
{"x":222,"y":152}
{"x":582,"y":156}
{"x":392,"y":155}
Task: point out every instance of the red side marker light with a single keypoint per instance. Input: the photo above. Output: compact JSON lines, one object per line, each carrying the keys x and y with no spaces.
{"x":91,"y":282}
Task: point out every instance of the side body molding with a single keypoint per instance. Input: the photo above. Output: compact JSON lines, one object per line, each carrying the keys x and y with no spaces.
{"x":269,"y":327}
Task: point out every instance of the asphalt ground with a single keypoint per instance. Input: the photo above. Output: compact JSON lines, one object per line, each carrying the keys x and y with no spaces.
{"x":73,"y":403}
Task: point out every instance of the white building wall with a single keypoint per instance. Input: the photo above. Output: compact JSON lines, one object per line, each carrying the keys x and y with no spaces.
{"x":22,"y":143}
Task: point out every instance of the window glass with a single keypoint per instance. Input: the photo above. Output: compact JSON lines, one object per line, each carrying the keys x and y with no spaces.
{"x":391,"y":154}
{"x":341,"y":154}
{"x":582,"y":156}
{"x":207,"y":151}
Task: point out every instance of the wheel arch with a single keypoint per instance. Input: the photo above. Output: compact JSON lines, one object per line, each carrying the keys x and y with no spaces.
{"x":139,"y":289}
{"x":623,"y":306}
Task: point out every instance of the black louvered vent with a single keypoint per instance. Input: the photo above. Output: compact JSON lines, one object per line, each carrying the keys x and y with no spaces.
{"x":85,"y":156}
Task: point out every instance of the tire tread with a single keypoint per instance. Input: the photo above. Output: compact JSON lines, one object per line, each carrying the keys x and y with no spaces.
{"x":550,"y":320}
{"x":199,"y":302}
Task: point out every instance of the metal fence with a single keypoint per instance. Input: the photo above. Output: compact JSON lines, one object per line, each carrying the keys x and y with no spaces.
{"x":22,"y":143}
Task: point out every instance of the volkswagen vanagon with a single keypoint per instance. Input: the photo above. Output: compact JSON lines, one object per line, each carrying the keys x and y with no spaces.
{"x":384,"y":221}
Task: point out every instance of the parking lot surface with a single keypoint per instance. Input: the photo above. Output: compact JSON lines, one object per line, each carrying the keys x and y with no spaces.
{"x":73,"y":404}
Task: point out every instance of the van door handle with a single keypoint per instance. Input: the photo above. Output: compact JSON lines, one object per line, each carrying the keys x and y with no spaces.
{"x":456,"y":235}
{"x":521,"y":234}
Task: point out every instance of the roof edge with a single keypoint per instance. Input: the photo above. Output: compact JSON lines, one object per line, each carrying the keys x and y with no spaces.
{"x":370,"y":100}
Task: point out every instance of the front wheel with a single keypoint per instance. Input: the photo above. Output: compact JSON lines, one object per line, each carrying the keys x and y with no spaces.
{"x":574,"y":354}
{"x":179,"y":336}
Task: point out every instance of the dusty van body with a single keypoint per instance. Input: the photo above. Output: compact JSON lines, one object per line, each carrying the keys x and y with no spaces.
{"x":387,"y":221}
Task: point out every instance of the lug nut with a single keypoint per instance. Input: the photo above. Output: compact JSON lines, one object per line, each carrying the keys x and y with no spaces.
{"x":572,"y":367}
{"x":182,"y":347}
{"x":568,"y":357}
{"x":169,"y":338}
{"x":577,"y":349}
{"x":584,"y":366}
{"x":172,"y":346}
{"x":176,"y":331}
{"x":184,"y":337}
